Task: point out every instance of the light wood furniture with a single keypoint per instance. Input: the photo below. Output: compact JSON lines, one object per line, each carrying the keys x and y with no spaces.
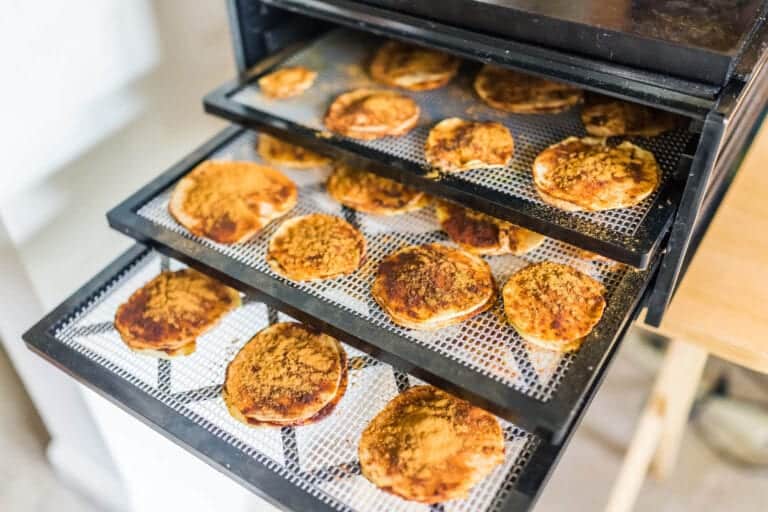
{"x":720,"y":309}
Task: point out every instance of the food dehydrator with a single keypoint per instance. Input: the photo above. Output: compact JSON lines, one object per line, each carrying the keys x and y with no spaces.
{"x":705,"y":61}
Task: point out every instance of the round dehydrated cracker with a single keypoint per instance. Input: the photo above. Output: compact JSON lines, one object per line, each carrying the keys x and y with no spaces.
{"x":287,"y":375}
{"x":279,"y":152}
{"x":315,"y":246}
{"x":412,"y":67}
{"x":519,"y":93}
{"x":229,"y":201}
{"x":287,"y":82}
{"x":429,"y":446}
{"x":165,"y":317}
{"x":370,"y":193}
{"x":597,"y":258}
{"x":587,"y":174}
{"x":479,"y":233}
{"x":455,"y":145}
{"x":608,"y":117}
{"x":432,"y":286}
{"x":552,"y":305}
{"x":368,"y":114}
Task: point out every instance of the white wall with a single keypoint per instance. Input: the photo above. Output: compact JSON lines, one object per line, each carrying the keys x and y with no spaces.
{"x":98,"y":97}
{"x":102,"y":96}
{"x":72,"y":65}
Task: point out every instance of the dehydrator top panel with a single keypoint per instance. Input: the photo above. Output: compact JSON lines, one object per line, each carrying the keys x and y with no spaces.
{"x":685,"y":96}
{"x":313,"y":467}
{"x":629,"y":235}
{"x":692,"y":39}
{"x":482,"y":359}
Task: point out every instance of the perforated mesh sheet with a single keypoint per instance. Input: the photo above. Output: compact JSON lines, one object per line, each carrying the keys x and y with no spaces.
{"x":341,"y":59}
{"x":485,"y":343}
{"x":319,"y":458}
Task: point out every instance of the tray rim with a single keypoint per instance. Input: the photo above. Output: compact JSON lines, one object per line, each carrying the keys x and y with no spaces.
{"x":549,"y":419}
{"x":637,"y":249}
{"x":195,"y":438}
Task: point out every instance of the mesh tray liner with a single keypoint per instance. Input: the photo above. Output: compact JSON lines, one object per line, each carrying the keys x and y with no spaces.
{"x":320,"y":458}
{"x":486,"y":343}
{"x":341,"y":59}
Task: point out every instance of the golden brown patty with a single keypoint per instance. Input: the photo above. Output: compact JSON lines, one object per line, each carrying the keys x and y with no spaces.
{"x":412,"y":67}
{"x":432,"y":286}
{"x":315,"y":246}
{"x":229,"y":202}
{"x":458,"y":145}
{"x":278,"y":152}
{"x":597,"y":258}
{"x":552,"y":305}
{"x":607,"y":117}
{"x":479,"y":233}
{"x":166,"y":316}
{"x":519,"y":93}
{"x":429,"y":446}
{"x":287,"y":375}
{"x":369,"y":193}
{"x":368,"y":114}
{"x":287,"y":82}
{"x":587,"y":174}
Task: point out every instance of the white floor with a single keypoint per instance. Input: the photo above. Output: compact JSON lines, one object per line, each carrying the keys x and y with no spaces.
{"x":27,"y":483}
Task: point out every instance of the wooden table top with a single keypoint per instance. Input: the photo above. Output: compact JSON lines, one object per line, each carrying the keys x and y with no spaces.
{"x":722,"y":303}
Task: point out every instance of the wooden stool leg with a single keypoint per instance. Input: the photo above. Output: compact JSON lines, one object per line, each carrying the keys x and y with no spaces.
{"x":637,"y":460}
{"x":661,"y":424}
{"x":679,"y":392}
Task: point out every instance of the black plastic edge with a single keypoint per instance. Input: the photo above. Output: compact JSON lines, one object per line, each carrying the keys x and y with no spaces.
{"x":685,"y":219}
{"x":553,"y":416}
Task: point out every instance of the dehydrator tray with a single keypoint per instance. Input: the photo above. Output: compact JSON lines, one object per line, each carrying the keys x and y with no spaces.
{"x":312,"y":467}
{"x":629,"y":235}
{"x":482,"y":359}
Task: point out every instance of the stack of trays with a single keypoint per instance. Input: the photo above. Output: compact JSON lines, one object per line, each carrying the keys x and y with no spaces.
{"x":482,"y":359}
{"x":537,"y":394}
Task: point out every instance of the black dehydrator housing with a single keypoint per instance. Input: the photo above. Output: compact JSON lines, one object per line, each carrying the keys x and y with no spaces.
{"x":702,"y":60}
